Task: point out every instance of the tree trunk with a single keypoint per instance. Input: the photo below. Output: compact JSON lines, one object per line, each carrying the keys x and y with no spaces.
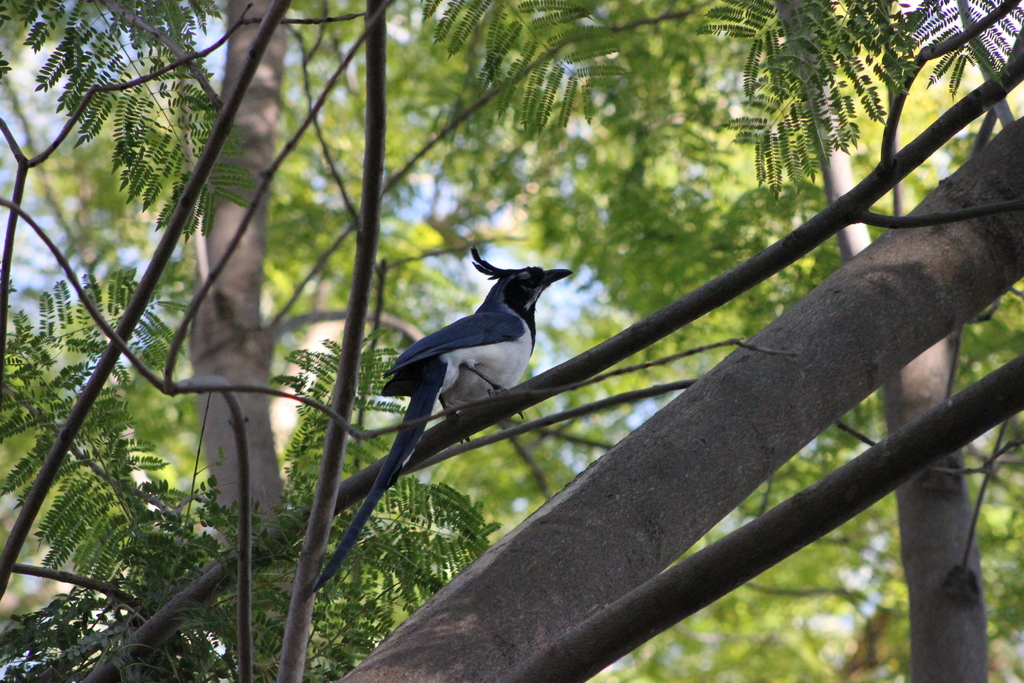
{"x":228,"y":338}
{"x":664,"y":486}
{"x":948,"y":627}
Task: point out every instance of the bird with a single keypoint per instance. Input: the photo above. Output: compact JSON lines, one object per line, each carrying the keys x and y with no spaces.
{"x":473,"y":358}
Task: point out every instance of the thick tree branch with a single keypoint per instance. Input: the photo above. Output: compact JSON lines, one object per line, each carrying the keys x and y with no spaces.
{"x":7,"y":262}
{"x":725,"y":565}
{"x":244,"y":592}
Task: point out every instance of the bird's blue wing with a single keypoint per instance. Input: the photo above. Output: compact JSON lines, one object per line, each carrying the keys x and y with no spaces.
{"x":474,"y":330}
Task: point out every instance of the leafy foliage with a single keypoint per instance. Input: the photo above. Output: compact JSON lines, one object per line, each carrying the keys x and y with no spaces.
{"x":156,"y":124}
{"x":533,"y":35}
{"x":811,"y":63}
{"x":941,"y":20}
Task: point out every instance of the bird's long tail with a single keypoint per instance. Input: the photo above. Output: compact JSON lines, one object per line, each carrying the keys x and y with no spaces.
{"x":420,"y":405}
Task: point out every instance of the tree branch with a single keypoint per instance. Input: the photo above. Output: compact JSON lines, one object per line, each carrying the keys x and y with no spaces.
{"x":312,"y":21}
{"x":244,"y":593}
{"x":325,"y":150}
{"x":175,"y":49}
{"x":386,"y":319}
{"x":649,"y":21}
{"x":526,"y":455}
{"x":107,"y":589}
{"x":164,"y":623}
{"x":924,"y":221}
{"x":72,"y":120}
{"x":969,"y":33}
{"x":725,"y":565}
{"x":300,"y":611}
{"x":7,"y":262}
{"x":546,"y":421}
{"x":275,"y":324}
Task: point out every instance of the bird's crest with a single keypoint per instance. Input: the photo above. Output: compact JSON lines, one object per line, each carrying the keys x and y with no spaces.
{"x":493,"y":272}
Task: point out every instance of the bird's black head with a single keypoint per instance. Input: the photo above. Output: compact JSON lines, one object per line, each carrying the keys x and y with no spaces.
{"x":519,"y":288}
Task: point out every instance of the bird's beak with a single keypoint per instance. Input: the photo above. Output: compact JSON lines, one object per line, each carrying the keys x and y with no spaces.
{"x":555,"y":275}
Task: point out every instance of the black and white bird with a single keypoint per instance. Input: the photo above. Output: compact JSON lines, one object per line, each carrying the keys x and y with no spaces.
{"x":469,"y":360}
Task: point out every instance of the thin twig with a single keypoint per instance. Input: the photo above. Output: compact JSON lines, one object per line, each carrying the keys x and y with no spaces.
{"x":12,"y":142}
{"x":313,"y":272}
{"x":548,"y":420}
{"x":956,"y":42}
{"x":850,"y":430}
{"x":76,"y":579}
{"x":941,"y":217}
{"x":807,"y":592}
{"x":526,"y":455}
{"x":324,"y":148}
{"x":989,"y":467}
{"x":138,"y":22}
{"x":562,"y":433}
{"x":315,"y":20}
{"x":648,"y":21}
{"x":388,"y":320}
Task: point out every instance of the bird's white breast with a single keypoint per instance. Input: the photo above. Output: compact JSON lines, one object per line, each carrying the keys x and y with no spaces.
{"x":503,"y":363}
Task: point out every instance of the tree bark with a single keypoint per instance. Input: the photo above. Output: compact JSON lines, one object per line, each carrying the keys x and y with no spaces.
{"x":664,"y":486}
{"x":228,"y":338}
